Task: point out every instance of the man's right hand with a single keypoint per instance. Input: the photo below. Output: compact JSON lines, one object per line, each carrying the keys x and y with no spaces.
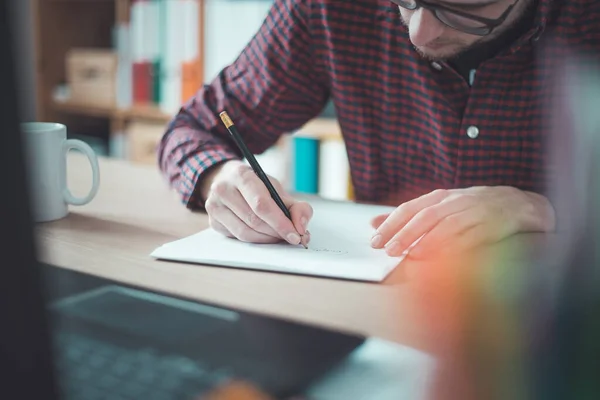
{"x":240,"y":206}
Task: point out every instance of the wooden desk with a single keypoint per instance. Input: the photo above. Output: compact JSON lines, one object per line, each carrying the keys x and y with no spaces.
{"x":134,"y":212}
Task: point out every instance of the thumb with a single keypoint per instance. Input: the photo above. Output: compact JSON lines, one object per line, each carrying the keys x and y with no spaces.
{"x":378,"y":220}
{"x":301,"y":213}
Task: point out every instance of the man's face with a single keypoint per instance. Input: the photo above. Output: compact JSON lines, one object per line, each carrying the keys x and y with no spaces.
{"x":436,"y":41}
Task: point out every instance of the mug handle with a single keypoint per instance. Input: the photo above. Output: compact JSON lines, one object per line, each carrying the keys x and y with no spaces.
{"x":87,"y":150}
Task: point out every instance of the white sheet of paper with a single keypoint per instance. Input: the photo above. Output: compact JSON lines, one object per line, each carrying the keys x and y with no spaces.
{"x":339,"y":247}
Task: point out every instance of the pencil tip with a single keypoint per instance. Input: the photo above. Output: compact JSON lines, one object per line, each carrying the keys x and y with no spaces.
{"x":304,"y":243}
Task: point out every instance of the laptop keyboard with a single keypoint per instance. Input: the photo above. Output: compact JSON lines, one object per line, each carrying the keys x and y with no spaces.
{"x":90,"y":369}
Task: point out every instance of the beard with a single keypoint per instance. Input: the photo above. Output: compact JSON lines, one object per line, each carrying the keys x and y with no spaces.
{"x":453,"y":49}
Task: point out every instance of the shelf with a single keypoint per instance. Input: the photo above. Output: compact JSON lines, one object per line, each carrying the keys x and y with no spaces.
{"x":83,"y":109}
{"x":321,"y":128}
{"x":149,"y":112}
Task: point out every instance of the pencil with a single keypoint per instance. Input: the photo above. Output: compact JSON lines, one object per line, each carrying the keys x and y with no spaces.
{"x":256,"y":167}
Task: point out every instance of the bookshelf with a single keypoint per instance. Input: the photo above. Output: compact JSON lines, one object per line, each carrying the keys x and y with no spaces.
{"x":60,"y":26}
{"x":131,"y":130}
{"x":149,"y":112}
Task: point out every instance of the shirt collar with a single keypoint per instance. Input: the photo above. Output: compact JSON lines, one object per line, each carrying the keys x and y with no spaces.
{"x":543,"y":11}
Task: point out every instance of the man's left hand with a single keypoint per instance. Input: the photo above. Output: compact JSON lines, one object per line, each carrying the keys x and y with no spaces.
{"x":461,"y":218}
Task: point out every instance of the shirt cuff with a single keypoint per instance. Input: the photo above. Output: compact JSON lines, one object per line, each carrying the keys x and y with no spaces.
{"x":193,"y":169}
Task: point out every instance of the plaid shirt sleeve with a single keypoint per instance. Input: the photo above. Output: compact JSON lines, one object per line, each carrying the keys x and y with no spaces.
{"x":269,"y":90}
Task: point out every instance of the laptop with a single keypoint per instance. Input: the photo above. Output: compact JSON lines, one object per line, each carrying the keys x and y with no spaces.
{"x":66,"y":335}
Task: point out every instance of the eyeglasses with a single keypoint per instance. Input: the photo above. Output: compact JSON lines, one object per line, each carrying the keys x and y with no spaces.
{"x":461,"y":21}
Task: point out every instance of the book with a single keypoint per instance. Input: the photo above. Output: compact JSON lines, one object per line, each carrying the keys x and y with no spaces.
{"x":334,"y":170}
{"x":306,"y":164}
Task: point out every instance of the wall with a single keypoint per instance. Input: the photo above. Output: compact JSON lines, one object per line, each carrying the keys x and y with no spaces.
{"x":229,"y":26}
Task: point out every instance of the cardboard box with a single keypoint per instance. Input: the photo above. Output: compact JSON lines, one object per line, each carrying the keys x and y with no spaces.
{"x":143,"y":138}
{"x":91,"y":75}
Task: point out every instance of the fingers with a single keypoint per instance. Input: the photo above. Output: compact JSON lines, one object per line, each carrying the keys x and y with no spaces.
{"x":461,"y":243}
{"x":230,"y":225}
{"x":217,"y":226}
{"x":240,"y":205}
{"x":237,"y":204}
{"x":471,"y":238}
{"x":423,"y":222}
{"x":447,"y":232}
{"x":402,"y":215}
{"x":460,"y":218}
{"x":259,"y":200}
{"x":378,"y":220}
{"x":301,"y":213}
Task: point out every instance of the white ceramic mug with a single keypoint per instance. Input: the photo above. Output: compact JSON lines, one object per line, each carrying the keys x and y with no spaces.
{"x":47,"y":149}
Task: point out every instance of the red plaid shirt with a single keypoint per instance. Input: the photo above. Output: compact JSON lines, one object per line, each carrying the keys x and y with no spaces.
{"x":410,"y":125}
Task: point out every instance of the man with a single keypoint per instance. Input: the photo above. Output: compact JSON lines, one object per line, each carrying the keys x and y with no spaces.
{"x":441,"y":104}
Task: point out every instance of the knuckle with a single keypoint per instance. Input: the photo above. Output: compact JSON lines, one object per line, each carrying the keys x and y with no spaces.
{"x":454,"y":220}
{"x":403,"y":208}
{"x":440,"y":193}
{"x":260,"y":205}
{"x":220,"y":188}
{"x":214,"y":224}
{"x":211,"y":205}
{"x":245,"y":235}
{"x":243,"y":170}
{"x":283,"y":227}
{"x":468,"y":198}
{"x":237,"y":231}
{"x":276,"y":184}
{"x":428,"y":214}
{"x":253,"y":221}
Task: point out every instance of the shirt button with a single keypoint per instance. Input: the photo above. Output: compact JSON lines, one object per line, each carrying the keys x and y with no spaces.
{"x":437,"y":66}
{"x":472,"y":131}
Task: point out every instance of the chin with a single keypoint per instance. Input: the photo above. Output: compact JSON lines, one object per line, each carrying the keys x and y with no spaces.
{"x":439,"y":54}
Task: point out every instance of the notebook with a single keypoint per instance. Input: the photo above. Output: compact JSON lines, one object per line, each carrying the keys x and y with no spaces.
{"x":339,"y":247}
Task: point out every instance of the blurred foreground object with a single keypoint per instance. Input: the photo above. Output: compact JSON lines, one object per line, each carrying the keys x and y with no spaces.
{"x":565,"y":326}
{"x":530,"y":328}
{"x":236,"y":390}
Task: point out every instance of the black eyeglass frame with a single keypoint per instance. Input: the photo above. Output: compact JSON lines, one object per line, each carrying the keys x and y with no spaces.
{"x":490,"y":24}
